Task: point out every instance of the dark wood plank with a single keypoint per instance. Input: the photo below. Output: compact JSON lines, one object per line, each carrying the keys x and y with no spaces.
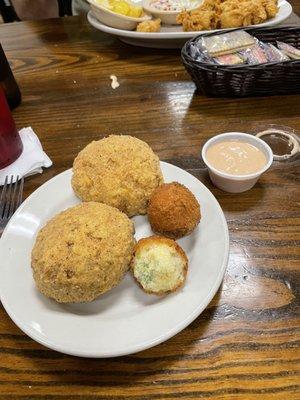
{"x":296,"y":6}
{"x":245,"y":345}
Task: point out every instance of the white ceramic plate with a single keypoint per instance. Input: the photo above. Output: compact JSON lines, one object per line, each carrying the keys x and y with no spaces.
{"x":125,"y":320}
{"x":173,"y":36}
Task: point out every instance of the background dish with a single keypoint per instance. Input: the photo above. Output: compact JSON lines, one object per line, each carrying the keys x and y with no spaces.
{"x":172,"y":36}
{"x":125,"y":320}
{"x":113,"y":19}
{"x":166,"y":17}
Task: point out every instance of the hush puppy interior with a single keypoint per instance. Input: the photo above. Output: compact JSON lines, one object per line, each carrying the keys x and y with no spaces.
{"x":173,"y":210}
{"x":121,"y":171}
{"x":159,"y":265}
{"x":82,"y":252}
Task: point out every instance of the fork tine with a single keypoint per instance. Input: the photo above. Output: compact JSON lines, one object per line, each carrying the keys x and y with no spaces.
{"x":14,"y":199}
{"x":20,"y":194}
{"x":8,"y":198}
{"x":2,"y":198}
{"x":11,"y":197}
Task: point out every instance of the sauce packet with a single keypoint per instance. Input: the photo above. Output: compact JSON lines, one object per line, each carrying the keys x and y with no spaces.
{"x":197,"y":54}
{"x":289,"y":50}
{"x":273,"y":54}
{"x":227,"y":43}
{"x":238,"y":47}
{"x":229,"y":59}
{"x":254,"y":54}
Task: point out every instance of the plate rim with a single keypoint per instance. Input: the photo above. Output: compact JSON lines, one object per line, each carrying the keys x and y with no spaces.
{"x":141,"y":346}
{"x":148,"y":36}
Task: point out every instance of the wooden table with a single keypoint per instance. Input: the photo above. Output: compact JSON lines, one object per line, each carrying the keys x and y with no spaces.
{"x":244,"y":346}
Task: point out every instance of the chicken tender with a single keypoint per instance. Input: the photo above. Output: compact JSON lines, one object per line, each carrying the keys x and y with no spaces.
{"x":82,"y":252}
{"x":153,"y":25}
{"x":173,"y":210}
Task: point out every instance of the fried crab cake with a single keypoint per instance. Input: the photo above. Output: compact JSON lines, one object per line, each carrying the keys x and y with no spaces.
{"x":173,"y":210}
{"x":82,"y":252}
{"x":121,"y":171}
{"x":159,"y":265}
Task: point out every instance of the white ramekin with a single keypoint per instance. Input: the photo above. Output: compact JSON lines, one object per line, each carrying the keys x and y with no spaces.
{"x":166,"y":17}
{"x":236,"y":183}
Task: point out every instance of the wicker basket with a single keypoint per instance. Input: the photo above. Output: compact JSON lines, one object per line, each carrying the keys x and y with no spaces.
{"x":248,"y":80}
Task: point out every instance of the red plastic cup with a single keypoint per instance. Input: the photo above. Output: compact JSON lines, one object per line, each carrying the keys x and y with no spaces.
{"x":10,"y":142}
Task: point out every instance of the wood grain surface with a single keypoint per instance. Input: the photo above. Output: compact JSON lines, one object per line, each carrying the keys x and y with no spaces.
{"x":296,"y":6}
{"x":246,"y":343}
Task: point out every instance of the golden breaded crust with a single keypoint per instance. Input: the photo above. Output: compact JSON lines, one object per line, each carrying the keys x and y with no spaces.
{"x":215,"y":14}
{"x":82,"y":252}
{"x":121,"y":171}
{"x":159,"y":265}
{"x":153,"y":25}
{"x":173,"y":210}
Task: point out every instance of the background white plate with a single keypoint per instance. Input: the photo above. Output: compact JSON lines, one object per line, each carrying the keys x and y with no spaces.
{"x":172,"y":36}
{"x":125,"y":320}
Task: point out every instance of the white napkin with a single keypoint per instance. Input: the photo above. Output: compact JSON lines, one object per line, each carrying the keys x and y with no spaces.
{"x":32,"y":159}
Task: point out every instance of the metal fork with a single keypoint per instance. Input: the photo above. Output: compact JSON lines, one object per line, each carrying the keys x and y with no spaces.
{"x":11,"y":198}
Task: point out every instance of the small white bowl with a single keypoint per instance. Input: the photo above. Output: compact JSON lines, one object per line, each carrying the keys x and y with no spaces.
{"x":115,"y":20}
{"x":236,"y":183}
{"x":166,"y":17}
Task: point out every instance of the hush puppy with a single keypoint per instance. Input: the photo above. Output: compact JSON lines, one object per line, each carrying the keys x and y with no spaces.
{"x":173,"y":210}
{"x":159,"y":265}
{"x":121,"y":171}
{"x":149,"y":26}
{"x":82,"y":252}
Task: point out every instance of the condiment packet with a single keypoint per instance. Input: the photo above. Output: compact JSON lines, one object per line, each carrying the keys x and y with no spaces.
{"x":254,"y":55}
{"x":229,"y":59}
{"x":227,"y":43}
{"x":238,"y":47}
{"x":273,"y":54}
{"x":194,"y":51}
{"x":289,"y":50}
{"x":197,"y":54}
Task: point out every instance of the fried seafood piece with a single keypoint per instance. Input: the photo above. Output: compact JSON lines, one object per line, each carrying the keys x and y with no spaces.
{"x":197,"y":20}
{"x":257,"y":11}
{"x":119,"y":170}
{"x":271,"y":7}
{"x":153,"y":25}
{"x":210,"y":5}
{"x":234,"y":19}
{"x":235,"y":13}
{"x":82,"y":252}
{"x":213,"y":14}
